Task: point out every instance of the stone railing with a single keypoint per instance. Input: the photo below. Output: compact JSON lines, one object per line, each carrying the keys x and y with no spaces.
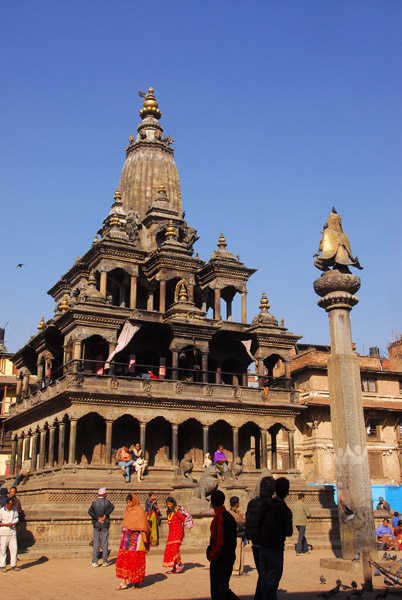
{"x":155,"y":388}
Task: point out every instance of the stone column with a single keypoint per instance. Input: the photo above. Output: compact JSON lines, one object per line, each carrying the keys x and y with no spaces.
{"x":143,"y":429}
{"x":27,"y":444}
{"x":72,"y":443}
{"x":25,"y":383}
{"x":62,"y":438}
{"x":175,"y":445}
{"x":244,"y":380}
{"x":260,"y":373}
{"x":112,"y":346}
{"x":42,"y":449}
{"x":274,"y":455}
{"x":291,"y":442}
{"x":235,"y":434}
{"x":103,"y":283}
{"x":19,"y":453}
{"x":13,"y":456}
{"x":34,"y":451}
{"x":133,"y":292}
{"x":244,"y":307}
{"x":39,"y":369}
{"x":205,"y":442}
{"x":175,"y":365}
{"x":50,"y":458}
{"x":162,"y":296}
{"x":217,"y":305}
{"x":77,"y":355}
{"x":108,"y":442}
{"x":228,"y":310}
{"x":218,"y":374}
{"x":162,"y":367}
{"x":288,"y":375}
{"x":204,"y":367}
{"x":264,"y":457}
{"x":336,"y":289}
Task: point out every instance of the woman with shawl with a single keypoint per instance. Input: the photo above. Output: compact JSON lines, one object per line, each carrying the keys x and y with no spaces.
{"x":135,"y":542}
{"x":154,"y":517}
{"x":172,"y":556}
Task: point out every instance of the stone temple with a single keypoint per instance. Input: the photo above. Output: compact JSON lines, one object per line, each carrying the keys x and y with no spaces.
{"x":143,"y":348}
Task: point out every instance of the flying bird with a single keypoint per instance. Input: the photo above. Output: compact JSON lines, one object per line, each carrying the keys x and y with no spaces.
{"x":20,"y":265}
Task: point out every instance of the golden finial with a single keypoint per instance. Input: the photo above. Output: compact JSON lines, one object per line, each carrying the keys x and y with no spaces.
{"x":197,"y":256}
{"x":150,"y":108}
{"x":131,"y":138}
{"x":114,"y":221}
{"x":162,"y":189}
{"x":63,"y":306}
{"x":170,"y":231}
{"x":264,"y":306}
{"x":222,"y":242}
{"x":96,"y":241}
{"x":183,"y":293}
{"x":117,"y":195}
{"x":91,"y":279}
{"x":282,"y":323}
{"x":42,"y":324}
{"x":77,"y":259}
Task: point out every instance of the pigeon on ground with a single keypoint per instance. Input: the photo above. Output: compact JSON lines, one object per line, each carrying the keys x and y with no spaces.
{"x":393,"y":557}
{"x":322,"y":579}
{"x":357,"y":557}
{"x":388,"y":582}
{"x":377,"y":573}
{"x":338,"y":582}
{"x":385,"y":556}
{"x":382,"y":595}
{"x":354,"y":585}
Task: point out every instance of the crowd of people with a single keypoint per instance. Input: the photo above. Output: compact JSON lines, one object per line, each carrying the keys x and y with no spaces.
{"x":390,"y":537}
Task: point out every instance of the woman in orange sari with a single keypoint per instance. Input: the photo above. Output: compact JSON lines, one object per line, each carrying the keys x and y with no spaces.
{"x":172,"y":556}
{"x":135,"y":542}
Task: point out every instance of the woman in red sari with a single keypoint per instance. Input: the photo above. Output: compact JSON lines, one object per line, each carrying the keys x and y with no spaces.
{"x":135,"y":542}
{"x":172,"y":556}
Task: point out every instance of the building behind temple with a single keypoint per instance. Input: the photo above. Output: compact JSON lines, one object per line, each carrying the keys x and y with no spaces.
{"x":143,"y":347}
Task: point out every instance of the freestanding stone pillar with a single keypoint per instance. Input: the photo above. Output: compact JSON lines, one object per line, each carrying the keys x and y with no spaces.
{"x":337,"y":288}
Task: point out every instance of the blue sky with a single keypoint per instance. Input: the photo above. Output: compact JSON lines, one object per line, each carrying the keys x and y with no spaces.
{"x":280,"y":110}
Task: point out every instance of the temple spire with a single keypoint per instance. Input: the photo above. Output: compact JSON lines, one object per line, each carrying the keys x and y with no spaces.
{"x":150,"y":108}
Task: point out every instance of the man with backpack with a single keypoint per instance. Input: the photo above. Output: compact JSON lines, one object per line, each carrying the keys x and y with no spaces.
{"x":268,"y":523}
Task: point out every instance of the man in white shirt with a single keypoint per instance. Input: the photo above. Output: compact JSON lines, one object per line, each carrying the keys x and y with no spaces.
{"x":8,"y":535}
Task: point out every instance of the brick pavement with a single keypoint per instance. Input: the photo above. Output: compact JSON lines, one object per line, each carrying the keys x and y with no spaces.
{"x":67,"y":579}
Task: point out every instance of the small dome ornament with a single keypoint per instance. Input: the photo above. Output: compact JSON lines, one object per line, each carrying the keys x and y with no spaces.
{"x":63,"y":306}
{"x":183,"y":297}
{"x":222,"y":241}
{"x":92,"y":280}
{"x":150,"y":108}
{"x":264,"y":317}
{"x":117,"y":194}
{"x":42,"y":324}
{"x":264,"y":305}
{"x":170,"y":231}
{"x":77,"y":260}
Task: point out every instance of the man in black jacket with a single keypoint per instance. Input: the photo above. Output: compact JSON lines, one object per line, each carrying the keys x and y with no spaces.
{"x":100,"y":511}
{"x":275,"y":525}
{"x":221,"y":551}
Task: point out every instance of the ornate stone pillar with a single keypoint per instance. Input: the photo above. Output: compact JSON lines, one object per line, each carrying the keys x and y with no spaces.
{"x":50,"y":457}
{"x":133,"y":292}
{"x":34,"y":451}
{"x":19,"y":452}
{"x":264,"y":456}
{"x":62,"y":441}
{"x":204,"y":367}
{"x":228,"y":310}
{"x":26,"y":450}
{"x":235,"y":434}
{"x":112,"y":346}
{"x":291,"y":442}
{"x":244,"y":306}
{"x":217,"y":305}
{"x":77,"y":355}
{"x":103,"y":283}
{"x":245,"y":380}
{"x":175,"y":365}
{"x":205,"y":442}
{"x":108,"y":442}
{"x":42,"y":449}
{"x":39,"y":369}
{"x":336,"y":289}
{"x":73,"y":440}
{"x":162,"y":296}
{"x":175,"y":445}
{"x":143,"y":429}
{"x":13,"y":456}
{"x":260,"y":373}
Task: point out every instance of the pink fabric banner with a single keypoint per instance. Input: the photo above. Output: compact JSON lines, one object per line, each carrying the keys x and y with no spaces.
{"x":247,"y":346}
{"x":127,"y":333}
